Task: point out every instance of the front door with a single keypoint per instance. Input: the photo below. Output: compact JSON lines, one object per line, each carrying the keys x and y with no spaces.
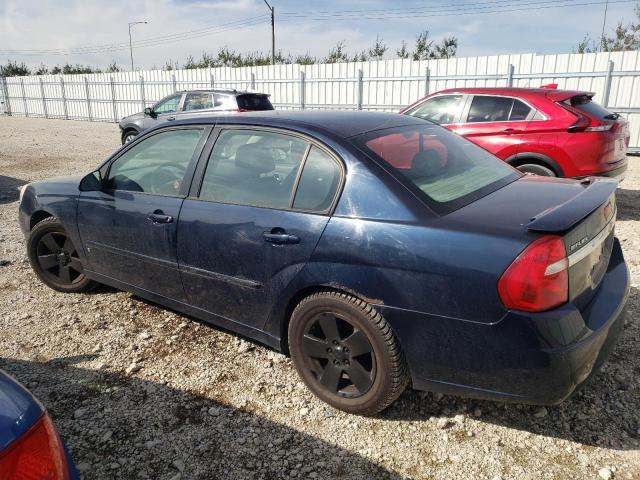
{"x":129,"y":228}
{"x":164,"y":111}
{"x":251,"y":226}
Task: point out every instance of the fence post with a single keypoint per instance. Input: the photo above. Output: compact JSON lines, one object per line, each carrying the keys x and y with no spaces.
{"x":302,"y":89}
{"x":427,"y":80}
{"x":64,"y":99}
{"x":142,"y":98}
{"x":44,"y":100}
{"x":86,"y":90}
{"x":212,"y":80}
{"x":360,"y":89}
{"x":5,"y":94}
{"x":510,"y":76}
{"x":24,"y":98}
{"x":173,"y":81}
{"x":253,"y":81}
{"x":607,"y":85}
{"x":113,"y":100}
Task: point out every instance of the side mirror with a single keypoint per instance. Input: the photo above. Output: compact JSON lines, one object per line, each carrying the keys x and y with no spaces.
{"x":149,"y":111}
{"x":91,"y":182}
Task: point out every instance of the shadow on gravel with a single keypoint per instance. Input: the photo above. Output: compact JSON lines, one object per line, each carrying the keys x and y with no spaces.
{"x":123,"y":427}
{"x":9,"y":189}
{"x":603,"y":413}
{"x":628,"y":202}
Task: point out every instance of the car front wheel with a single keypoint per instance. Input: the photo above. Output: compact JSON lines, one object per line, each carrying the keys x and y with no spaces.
{"x":346,"y":353}
{"x":54,"y":258}
{"x":128,"y":137}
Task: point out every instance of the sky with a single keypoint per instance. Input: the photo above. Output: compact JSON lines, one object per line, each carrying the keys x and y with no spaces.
{"x":95,"y":32}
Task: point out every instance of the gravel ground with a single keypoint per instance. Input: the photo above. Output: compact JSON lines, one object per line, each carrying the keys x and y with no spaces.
{"x":138,"y":391}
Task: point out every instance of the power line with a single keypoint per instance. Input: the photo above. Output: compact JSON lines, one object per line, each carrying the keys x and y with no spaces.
{"x":362,"y":15}
{"x":148,"y":42}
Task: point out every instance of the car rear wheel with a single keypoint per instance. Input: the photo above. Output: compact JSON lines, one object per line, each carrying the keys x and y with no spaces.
{"x":54,"y":258}
{"x":536,"y":169}
{"x":346,"y":353}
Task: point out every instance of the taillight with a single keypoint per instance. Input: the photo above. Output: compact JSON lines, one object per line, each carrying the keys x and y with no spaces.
{"x":538,"y":278}
{"x":38,"y":454}
{"x":584,"y":123}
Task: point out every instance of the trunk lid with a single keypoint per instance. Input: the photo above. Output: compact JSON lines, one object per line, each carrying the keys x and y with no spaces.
{"x":581,"y":212}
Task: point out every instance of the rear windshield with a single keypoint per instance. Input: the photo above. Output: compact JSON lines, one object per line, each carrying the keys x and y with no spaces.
{"x":591,"y":108}
{"x":254,"y":102}
{"x":444,"y":169}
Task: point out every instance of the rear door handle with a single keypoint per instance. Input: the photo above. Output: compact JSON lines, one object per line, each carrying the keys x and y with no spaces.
{"x":280,"y":238}
{"x":512,"y":130}
{"x":159,"y":217}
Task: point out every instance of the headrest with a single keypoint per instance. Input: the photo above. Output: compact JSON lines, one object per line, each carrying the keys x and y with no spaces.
{"x":255,"y":158}
{"x":426,"y":164}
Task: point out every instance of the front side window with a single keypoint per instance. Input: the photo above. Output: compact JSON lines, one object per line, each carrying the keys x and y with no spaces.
{"x":156,"y":165}
{"x":168,"y":105}
{"x":442,"y":109}
{"x":440,"y":166}
{"x":252,"y":167}
{"x":197,"y":101}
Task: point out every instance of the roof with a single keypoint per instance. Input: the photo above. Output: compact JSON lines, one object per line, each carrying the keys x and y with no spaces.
{"x":343,"y":124}
{"x":229,"y":91}
{"x":552,"y":93}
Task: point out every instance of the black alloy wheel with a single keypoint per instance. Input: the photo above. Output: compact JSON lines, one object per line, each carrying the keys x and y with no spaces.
{"x":54,"y":257}
{"x":346,"y":353}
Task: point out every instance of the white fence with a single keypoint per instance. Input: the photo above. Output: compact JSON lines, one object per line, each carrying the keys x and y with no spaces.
{"x":381,"y":85}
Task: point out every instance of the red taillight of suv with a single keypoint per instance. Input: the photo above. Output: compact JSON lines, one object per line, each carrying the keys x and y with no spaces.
{"x":538,"y":278}
{"x":585,"y":123}
{"x":38,"y":454}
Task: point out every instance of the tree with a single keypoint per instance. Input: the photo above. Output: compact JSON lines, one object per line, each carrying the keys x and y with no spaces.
{"x":403,"y":52}
{"x":377,"y":51}
{"x":305,"y":59}
{"x":625,"y":37}
{"x":429,"y":50}
{"x":337,"y":54}
{"x":42,"y":70}
{"x":14,"y":69}
{"x":113,"y":67}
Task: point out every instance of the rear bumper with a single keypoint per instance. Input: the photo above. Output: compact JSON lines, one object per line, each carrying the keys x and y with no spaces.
{"x":528,"y":358}
{"x":617,"y":174}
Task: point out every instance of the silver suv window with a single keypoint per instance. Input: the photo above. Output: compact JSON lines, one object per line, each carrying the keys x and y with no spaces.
{"x":197,"y":101}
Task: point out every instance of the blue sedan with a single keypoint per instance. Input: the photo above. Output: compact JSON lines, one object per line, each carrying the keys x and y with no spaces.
{"x":375,"y":249}
{"x":30,"y":448}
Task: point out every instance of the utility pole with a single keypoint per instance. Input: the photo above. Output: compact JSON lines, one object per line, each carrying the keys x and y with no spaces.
{"x":273,"y":32}
{"x":130,"y":43}
{"x":604,"y":21}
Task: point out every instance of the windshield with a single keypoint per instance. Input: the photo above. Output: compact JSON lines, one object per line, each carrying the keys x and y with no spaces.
{"x":444,"y":169}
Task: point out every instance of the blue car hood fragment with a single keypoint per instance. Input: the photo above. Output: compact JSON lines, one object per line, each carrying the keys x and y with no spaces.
{"x":19,"y":410}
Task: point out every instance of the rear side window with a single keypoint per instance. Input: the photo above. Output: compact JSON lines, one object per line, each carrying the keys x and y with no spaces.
{"x":197,"y":101}
{"x":250,"y":167}
{"x":440,"y":166}
{"x":485,"y":108}
{"x":442,"y":109}
{"x":318,"y":183}
{"x":253,"y":102}
{"x":585,"y":104}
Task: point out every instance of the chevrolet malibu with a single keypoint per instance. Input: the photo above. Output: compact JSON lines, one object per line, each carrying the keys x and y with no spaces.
{"x":375,"y":249}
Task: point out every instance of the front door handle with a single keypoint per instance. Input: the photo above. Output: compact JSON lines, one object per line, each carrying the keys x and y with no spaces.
{"x":512,"y":130}
{"x":280,"y":238}
{"x":158,"y":216}
{"x":171,"y":118}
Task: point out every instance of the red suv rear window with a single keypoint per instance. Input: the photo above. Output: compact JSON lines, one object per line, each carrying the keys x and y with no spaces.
{"x":254,"y":102}
{"x":585,"y":104}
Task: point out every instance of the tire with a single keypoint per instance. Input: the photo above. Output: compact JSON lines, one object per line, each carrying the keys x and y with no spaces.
{"x":346,"y":353}
{"x":54,"y":258}
{"x":129,"y":136}
{"x":536,"y":169}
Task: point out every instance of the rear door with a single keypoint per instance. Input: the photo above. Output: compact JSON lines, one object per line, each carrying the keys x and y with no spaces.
{"x":496,"y":123}
{"x":253,"y":221}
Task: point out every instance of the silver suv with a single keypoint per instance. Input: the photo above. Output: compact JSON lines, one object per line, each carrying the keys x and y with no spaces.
{"x":192,"y":102}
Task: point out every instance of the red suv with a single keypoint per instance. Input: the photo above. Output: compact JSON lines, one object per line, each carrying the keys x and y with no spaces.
{"x":538,"y":130}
